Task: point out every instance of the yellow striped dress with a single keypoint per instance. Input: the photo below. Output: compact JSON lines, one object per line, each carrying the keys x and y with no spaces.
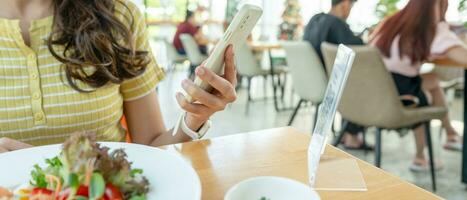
{"x":38,"y":106}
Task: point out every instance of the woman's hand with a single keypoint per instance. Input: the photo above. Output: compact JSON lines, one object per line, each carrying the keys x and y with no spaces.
{"x":7,"y":145}
{"x":209,"y":103}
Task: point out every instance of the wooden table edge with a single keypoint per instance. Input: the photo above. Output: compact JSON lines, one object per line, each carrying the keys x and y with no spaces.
{"x":360,"y":161}
{"x":383,"y":171}
{"x":296,"y":131}
{"x":448,"y":63}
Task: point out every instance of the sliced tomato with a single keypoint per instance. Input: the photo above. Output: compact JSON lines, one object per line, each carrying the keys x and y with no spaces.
{"x":112,"y":193}
{"x":82,"y":191}
{"x":41,"y":191}
{"x":42,"y":194}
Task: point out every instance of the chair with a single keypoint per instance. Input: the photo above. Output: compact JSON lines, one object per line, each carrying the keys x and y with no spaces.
{"x":279,"y":65}
{"x":249,"y":67}
{"x":371,"y":99}
{"x":308,"y":75}
{"x":193,"y":53}
{"x":125,"y":126}
{"x":172,"y":55}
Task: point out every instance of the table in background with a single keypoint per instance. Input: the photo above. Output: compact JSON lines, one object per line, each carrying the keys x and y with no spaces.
{"x":269,"y":47}
{"x":223,"y":162}
{"x":450,"y":63}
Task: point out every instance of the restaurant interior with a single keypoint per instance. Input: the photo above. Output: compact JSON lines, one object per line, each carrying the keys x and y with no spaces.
{"x":259,"y":112}
{"x":284,"y":70}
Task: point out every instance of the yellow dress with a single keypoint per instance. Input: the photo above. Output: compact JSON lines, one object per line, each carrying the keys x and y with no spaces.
{"x":37,"y":106}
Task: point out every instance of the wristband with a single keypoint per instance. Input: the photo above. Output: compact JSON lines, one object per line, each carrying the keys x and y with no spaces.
{"x":195,"y":135}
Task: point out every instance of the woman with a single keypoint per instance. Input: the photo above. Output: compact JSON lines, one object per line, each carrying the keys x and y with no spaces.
{"x":431,"y":85}
{"x":189,"y":27}
{"x":435,"y":93}
{"x":68,"y":66}
{"x":407,"y":39}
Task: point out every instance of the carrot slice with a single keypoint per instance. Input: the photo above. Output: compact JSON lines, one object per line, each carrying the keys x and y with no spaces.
{"x":56,"y":180}
{"x":5,"y":193}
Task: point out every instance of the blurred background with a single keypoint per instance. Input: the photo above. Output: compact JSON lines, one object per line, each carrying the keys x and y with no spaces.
{"x":163,"y":16}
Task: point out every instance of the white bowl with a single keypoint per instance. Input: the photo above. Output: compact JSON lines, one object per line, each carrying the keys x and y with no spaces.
{"x":271,"y":188}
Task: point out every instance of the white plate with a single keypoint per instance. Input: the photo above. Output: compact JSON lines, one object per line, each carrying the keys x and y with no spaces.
{"x":169,"y":175}
{"x":271,"y":188}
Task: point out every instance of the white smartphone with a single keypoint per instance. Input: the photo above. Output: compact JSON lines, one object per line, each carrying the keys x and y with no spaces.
{"x":237,"y":32}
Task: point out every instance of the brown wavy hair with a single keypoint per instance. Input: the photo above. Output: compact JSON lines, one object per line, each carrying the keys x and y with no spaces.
{"x":89,"y":35}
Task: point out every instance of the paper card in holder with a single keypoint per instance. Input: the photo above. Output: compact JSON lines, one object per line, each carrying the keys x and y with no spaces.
{"x":341,"y":70}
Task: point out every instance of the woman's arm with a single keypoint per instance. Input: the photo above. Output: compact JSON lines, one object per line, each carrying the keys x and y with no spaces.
{"x":458,"y":54}
{"x":144,"y":117}
{"x":145,"y":122}
{"x":7,"y":145}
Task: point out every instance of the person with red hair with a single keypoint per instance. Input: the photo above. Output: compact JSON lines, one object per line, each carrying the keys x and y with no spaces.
{"x":407,"y":39}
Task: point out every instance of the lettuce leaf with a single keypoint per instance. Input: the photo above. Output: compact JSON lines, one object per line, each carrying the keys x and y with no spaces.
{"x":38,"y":177}
{"x":81,"y":154}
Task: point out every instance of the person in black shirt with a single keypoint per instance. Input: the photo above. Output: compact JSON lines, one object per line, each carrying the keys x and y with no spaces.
{"x":332,"y":28}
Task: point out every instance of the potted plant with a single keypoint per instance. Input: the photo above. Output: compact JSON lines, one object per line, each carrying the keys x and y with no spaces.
{"x":291,"y":24}
{"x":386,"y":8}
{"x":463,"y":9}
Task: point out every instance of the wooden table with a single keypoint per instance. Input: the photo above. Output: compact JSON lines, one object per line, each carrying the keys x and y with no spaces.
{"x":223,"y":162}
{"x":264,"y":46}
{"x":450,"y":63}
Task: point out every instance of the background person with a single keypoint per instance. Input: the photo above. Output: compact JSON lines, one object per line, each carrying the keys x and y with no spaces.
{"x":190,"y":27}
{"x":436,"y":96}
{"x":406,"y":40}
{"x":332,"y":27}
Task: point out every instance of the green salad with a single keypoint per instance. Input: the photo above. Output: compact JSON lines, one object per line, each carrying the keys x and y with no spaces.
{"x":86,"y":171}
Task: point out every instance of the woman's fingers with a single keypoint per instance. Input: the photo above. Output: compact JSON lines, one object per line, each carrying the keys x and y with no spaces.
{"x":230,"y":68}
{"x":196,"y":109}
{"x":223,"y":86}
{"x":202,"y":96}
{"x":210,"y":103}
{"x":3,"y":150}
{"x":12,"y":145}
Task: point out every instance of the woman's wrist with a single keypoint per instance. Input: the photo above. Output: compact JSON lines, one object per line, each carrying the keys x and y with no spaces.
{"x":194,"y":123}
